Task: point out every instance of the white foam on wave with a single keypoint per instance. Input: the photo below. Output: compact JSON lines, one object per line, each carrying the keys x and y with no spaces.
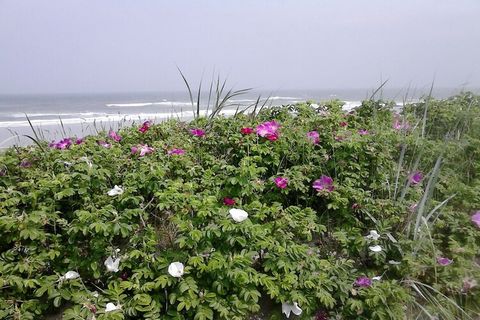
{"x":349,"y":105}
{"x":109,"y":118}
{"x":122,"y":105}
{"x":145,"y":104}
{"x":37,"y":115}
{"x":284,"y":98}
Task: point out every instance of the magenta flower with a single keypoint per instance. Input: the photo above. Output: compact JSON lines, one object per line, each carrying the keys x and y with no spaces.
{"x":364,"y":282}
{"x":197,"y":132}
{"x":324,"y":183}
{"x":115,"y":136}
{"x":355,"y":206}
{"x":272,"y":137}
{"x":268,"y":130}
{"x":321,"y":315}
{"x":62,"y":144}
{"x":145,"y":149}
{"x":363,"y":132}
{"x":281,"y":182}
{"x":415,"y":178}
{"x":246,"y":130}
{"x":134,"y":149}
{"x":176,"y":152}
{"x":25,"y":163}
{"x":343,"y":124}
{"x":229,"y":201}
{"x":79,"y":140}
{"x":400,"y":125}
{"x":313,"y":136}
{"x":104,"y":144}
{"x":444,"y":261}
{"x":476,"y":218}
{"x":145,"y":126}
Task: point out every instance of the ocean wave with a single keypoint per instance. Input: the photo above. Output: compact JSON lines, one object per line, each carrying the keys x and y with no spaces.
{"x":37,"y":115}
{"x":108,"y":118}
{"x":146,"y":104}
{"x":284,"y":98}
{"x":122,"y":105}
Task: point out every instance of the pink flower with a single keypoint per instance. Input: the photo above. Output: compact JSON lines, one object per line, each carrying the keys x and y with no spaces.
{"x":339,"y":138}
{"x":324,"y":183}
{"x":413,"y":207}
{"x":476,"y":218}
{"x":269,"y":128}
{"x":444,"y":261}
{"x":80,"y":140}
{"x":115,"y":136}
{"x":355,"y":206}
{"x":313,"y":136}
{"x":416,"y":177}
{"x":62,"y":144}
{"x":400,"y":125}
{"x":104,"y":144}
{"x":134,"y":149}
{"x":229,"y":201}
{"x":145,"y":149}
{"x":343,"y":124}
{"x":364,"y":282}
{"x":25,"y":163}
{"x":197,"y":132}
{"x":272,"y":137}
{"x":145,"y":126}
{"x":321,"y":315}
{"x":281,"y":182}
{"x":363,"y":132}
{"x":246,"y":130}
{"x":176,"y":152}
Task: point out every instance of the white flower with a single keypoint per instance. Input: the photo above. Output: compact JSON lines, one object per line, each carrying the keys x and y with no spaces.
{"x":112,"y":265}
{"x":70,"y":275}
{"x":394,"y":262}
{"x":314,"y":105}
{"x":376,"y":248}
{"x":89,"y":163}
{"x":115,"y":191}
{"x":378,"y":278}
{"x":373,"y":235}
{"x":238,"y":215}
{"x":287,"y":308}
{"x":111,"y":307}
{"x":176,"y":269}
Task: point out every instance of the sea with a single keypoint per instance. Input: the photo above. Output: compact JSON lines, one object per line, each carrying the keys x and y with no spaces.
{"x":54,"y":116}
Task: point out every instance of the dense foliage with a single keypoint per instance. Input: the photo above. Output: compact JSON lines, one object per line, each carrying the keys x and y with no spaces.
{"x":361,"y":215}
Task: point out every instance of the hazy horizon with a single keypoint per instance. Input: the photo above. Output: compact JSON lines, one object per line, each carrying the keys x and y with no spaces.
{"x":75,"y":47}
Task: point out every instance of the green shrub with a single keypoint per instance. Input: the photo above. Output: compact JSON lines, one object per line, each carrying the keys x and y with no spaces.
{"x":298,"y":244}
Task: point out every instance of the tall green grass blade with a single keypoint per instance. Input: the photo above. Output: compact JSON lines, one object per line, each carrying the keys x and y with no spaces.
{"x":188,"y":88}
{"x":399,"y":169}
{"x":378,"y":89}
{"x":426,"y":196}
{"x":444,"y":202}
{"x":198,"y":98}
{"x":36,"y":141}
{"x":63,"y":127}
{"x":31,"y":127}
{"x":427,"y":101}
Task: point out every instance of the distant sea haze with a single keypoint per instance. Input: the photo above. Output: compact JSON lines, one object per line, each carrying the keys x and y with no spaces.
{"x":78,"y":111}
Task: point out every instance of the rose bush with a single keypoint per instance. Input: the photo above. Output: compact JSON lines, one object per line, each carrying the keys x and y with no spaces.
{"x":302,"y":209}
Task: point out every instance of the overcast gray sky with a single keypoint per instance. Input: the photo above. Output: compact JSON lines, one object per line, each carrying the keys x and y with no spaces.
{"x":49,"y":46}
